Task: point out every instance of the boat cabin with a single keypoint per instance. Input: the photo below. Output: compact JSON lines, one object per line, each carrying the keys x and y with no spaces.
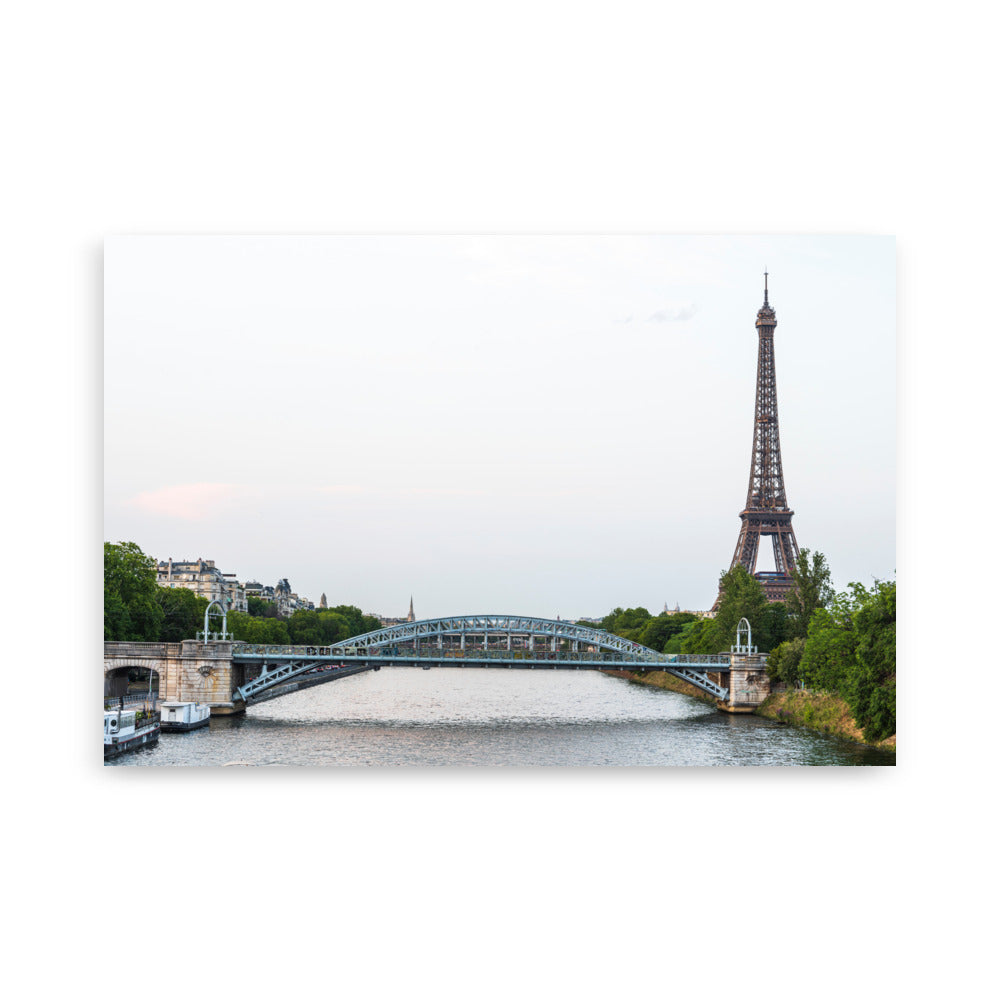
{"x":119,"y":723}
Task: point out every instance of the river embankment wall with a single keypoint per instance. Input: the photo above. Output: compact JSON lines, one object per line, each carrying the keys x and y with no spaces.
{"x":817,"y":710}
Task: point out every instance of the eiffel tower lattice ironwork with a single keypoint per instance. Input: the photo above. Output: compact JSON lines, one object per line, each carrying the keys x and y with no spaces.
{"x":766,"y":512}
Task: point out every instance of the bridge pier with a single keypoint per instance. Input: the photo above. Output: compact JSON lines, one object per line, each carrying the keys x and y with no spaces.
{"x":189,"y":671}
{"x":748,"y":684}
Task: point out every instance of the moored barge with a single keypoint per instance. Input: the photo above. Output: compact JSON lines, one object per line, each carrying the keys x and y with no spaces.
{"x":128,"y":729}
{"x":183,"y":716}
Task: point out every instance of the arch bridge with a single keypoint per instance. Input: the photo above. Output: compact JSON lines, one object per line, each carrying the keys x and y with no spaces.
{"x":508,"y":641}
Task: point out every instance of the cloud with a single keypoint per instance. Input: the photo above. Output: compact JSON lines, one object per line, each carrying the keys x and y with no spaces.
{"x":675,"y":313}
{"x":187,"y":501}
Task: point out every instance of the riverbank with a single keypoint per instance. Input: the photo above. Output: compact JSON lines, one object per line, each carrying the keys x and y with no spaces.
{"x":819,"y":711}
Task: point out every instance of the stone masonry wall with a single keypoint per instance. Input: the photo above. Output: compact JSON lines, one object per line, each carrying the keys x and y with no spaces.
{"x":188,"y":671}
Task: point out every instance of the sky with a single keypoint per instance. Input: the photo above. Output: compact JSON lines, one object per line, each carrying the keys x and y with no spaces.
{"x":514,"y":424}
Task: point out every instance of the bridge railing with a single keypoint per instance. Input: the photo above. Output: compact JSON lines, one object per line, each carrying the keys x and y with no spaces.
{"x":135,"y":649}
{"x":697,"y":659}
{"x":430,"y":652}
{"x":243,"y":650}
{"x":111,"y":702}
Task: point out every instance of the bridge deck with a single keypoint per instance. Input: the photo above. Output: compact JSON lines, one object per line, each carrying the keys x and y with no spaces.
{"x":245,"y":653}
{"x":289,"y":668}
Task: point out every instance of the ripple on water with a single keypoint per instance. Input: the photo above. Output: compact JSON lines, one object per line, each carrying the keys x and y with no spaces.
{"x":461,"y":716}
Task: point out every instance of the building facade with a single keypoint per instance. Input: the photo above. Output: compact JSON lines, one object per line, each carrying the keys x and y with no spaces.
{"x":205,"y":579}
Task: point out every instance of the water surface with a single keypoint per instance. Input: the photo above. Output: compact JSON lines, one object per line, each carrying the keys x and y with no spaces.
{"x":460,"y":716}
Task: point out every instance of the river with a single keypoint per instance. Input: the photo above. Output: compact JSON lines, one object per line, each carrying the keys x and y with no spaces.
{"x":459,"y":715}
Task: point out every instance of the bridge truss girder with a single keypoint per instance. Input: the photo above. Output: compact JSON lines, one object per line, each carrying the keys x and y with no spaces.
{"x":282,"y":664}
{"x":275,"y":675}
{"x":473,"y":625}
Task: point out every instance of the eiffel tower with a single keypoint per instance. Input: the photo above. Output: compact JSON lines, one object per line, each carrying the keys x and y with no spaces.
{"x":766,"y":511}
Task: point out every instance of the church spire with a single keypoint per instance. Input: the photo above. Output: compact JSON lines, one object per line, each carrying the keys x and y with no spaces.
{"x":411,"y":617}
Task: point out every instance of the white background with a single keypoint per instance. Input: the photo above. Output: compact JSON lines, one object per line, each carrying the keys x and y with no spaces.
{"x":307,"y":118}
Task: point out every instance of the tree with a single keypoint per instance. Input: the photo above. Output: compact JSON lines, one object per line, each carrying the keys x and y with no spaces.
{"x":334,"y":627}
{"x":358,"y":622}
{"x":183,"y":613}
{"x":872,"y":692}
{"x":247,"y":628}
{"x":658,"y":631}
{"x":812,"y":590}
{"x":742,"y":597}
{"x":260,"y":608}
{"x":829,"y":659}
{"x":131,"y":610}
{"x":783,"y":661}
{"x":774,"y":626}
{"x":629,"y":623}
{"x":696,"y":637}
{"x":303,"y":628}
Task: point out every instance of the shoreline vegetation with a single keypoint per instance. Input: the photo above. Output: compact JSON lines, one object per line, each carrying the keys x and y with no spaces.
{"x":831,"y":656}
{"x":820,"y":711}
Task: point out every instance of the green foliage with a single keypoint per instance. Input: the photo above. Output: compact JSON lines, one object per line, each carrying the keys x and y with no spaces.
{"x":629,"y":623}
{"x":247,"y":628}
{"x":774,"y":627}
{"x":829,"y":653}
{"x":784,"y":660}
{"x":357,"y":622}
{"x":812,"y":590}
{"x":131,"y":610}
{"x":117,"y":621}
{"x":183,"y":613}
{"x":697,"y":637}
{"x":260,"y":608}
{"x":872,"y":695}
{"x":640,"y":626}
{"x":850,"y":650}
{"x":329,"y":625}
{"x":323,"y":627}
{"x":658,"y":631}
{"x":742,"y":597}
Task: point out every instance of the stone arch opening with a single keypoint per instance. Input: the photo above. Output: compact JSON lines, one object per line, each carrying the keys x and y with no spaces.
{"x":131,"y":684}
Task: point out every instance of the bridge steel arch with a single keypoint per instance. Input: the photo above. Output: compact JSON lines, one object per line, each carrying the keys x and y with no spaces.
{"x":496,"y":625}
{"x":281,"y":664}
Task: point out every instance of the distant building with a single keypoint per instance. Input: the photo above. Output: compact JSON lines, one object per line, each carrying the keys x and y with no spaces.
{"x":286,"y":601}
{"x":235,"y":593}
{"x":322,"y":601}
{"x":205,"y":579}
{"x":283,"y":597}
{"x":386,"y":622}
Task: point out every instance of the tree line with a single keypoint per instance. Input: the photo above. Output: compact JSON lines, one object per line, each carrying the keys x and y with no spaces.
{"x":137,"y":609}
{"x":844,"y":643}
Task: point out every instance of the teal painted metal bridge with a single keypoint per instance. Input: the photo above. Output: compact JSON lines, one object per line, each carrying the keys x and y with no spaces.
{"x":504,"y":641}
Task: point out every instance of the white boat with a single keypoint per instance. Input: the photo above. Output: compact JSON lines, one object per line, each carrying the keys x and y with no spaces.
{"x":182,"y":716}
{"x":128,"y":729}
